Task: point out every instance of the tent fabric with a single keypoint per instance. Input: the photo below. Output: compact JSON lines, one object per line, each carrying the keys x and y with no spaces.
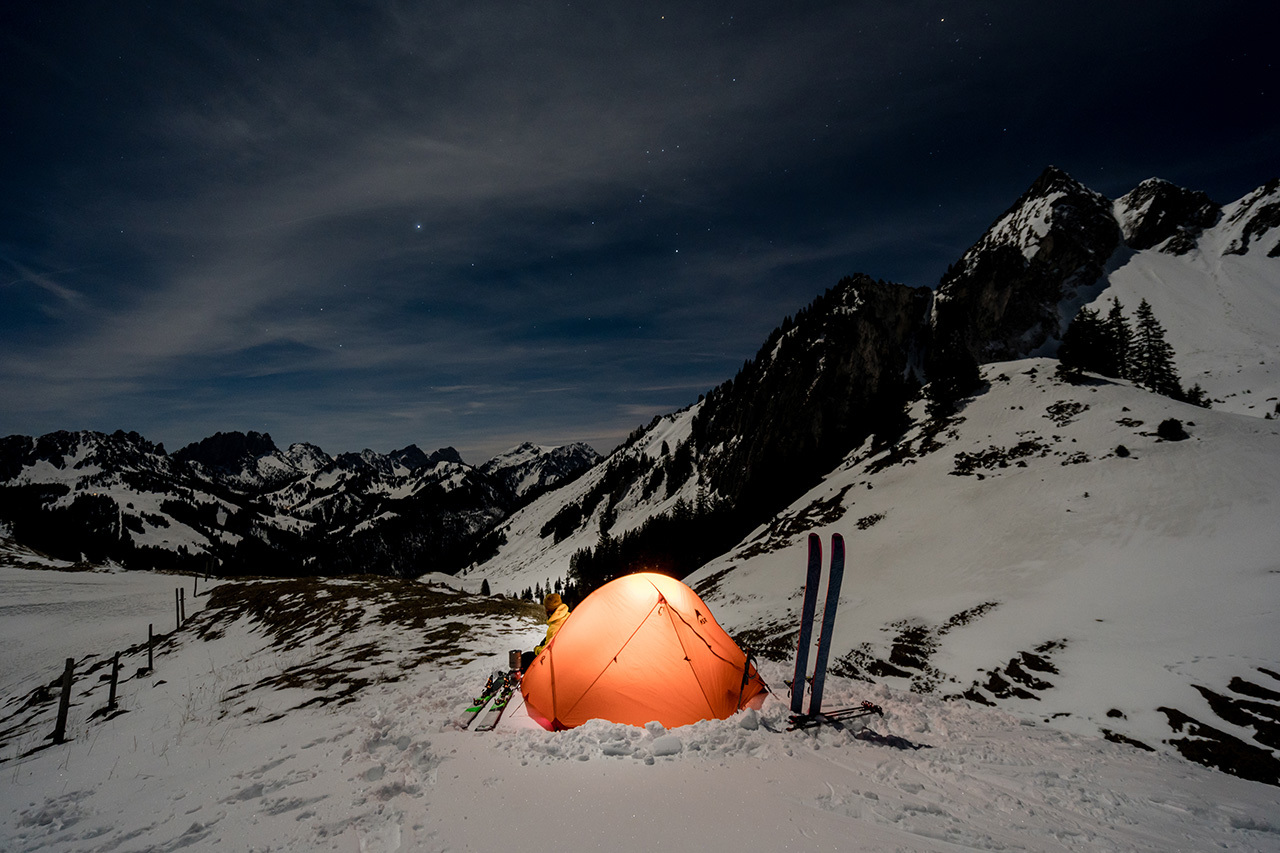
{"x":641,"y":648}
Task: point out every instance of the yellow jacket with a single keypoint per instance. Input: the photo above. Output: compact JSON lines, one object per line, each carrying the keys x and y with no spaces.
{"x":554,"y":621}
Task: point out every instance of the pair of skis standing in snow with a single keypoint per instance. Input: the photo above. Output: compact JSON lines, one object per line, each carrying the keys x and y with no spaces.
{"x":497,"y":693}
{"x":813,"y":576}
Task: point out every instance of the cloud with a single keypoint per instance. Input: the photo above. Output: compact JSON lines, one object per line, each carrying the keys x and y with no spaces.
{"x":66,"y":297}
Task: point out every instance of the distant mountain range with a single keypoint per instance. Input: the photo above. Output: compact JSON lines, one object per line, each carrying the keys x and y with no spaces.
{"x":235,"y":503}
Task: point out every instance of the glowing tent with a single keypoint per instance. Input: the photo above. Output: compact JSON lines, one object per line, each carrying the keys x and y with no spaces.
{"x":641,"y":648}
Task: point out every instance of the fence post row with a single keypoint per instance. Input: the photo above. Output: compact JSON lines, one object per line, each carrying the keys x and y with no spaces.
{"x":68,"y":675}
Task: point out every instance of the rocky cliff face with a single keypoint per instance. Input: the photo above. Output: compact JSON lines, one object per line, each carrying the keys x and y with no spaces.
{"x":1255,"y":220}
{"x":1016,"y":289}
{"x":841,"y":371}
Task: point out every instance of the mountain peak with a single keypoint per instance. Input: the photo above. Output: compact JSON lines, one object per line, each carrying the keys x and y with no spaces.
{"x":410,"y":457}
{"x":1055,"y":180}
{"x":228,"y":451}
{"x":444,"y":454}
{"x":528,"y":470}
{"x":1256,"y":217}
{"x":1056,"y":208}
{"x":1156,"y":210}
{"x":1005,"y":295}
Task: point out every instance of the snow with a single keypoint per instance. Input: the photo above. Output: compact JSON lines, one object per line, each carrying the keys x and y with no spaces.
{"x":528,"y":559}
{"x":1220,"y":314}
{"x":49,"y":616}
{"x":207,"y":757}
{"x":1025,"y":227}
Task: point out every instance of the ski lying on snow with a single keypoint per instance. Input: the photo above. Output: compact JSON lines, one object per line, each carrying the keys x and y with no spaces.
{"x":505,"y":690}
{"x":491,"y":688}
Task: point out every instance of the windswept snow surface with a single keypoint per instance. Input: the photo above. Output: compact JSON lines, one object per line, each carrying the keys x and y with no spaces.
{"x":49,"y":616}
{"x":202,"y":758}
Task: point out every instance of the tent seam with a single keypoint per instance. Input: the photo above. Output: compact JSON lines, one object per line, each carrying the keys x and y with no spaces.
{"x":701,"y":689}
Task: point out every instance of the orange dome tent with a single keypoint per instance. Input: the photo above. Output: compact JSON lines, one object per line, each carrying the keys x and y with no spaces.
{"x":641,"y":648}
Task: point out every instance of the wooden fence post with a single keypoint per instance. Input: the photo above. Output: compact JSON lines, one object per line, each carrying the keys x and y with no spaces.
{"x":195,"y":586}
{"x":60,"y":730}
{"x":115,"y":677}
{"x":177,"y":608}
{"x":182,"y":605}
{"x":151,"y":644}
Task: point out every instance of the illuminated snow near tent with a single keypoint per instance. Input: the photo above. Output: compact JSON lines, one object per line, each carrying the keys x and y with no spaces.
{"x":640,"y":649}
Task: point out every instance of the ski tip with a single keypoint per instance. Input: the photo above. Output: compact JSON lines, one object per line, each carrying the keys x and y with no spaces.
{"x":837,"y":541}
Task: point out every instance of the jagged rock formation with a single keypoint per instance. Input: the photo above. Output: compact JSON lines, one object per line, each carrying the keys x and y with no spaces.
{"x":1005,"y":297}
{"x":1157,"y":210}
{"x":841,"y":371}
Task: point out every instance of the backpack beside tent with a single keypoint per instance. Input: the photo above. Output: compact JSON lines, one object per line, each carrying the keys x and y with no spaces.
{"x":641,"y":648}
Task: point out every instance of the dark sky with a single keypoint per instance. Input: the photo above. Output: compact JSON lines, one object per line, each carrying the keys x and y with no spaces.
{"x":479,"y":223}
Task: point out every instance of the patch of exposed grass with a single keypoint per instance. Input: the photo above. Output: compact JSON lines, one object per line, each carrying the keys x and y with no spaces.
{"x":325,"y":616}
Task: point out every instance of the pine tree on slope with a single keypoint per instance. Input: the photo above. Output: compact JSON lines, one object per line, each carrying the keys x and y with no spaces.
{"x":1150,"y":362}
{"x":1119,"y":338}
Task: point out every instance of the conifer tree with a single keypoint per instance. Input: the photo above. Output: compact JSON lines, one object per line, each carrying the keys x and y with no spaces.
{"x":1084,"y":346}
{"x":1150,"y":362}
{"x":953,"y":374}
{"x":1119,"y":338}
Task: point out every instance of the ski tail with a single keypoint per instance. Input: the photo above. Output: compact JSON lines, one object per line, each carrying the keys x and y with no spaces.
{"x":834,"y":578}
{"x":811,"y":579}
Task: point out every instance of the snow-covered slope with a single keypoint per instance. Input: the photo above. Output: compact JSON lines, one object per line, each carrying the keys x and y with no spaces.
{"x":316,"y":715}
{"x":1217,"y":293}
{"x":1048,"y":552}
